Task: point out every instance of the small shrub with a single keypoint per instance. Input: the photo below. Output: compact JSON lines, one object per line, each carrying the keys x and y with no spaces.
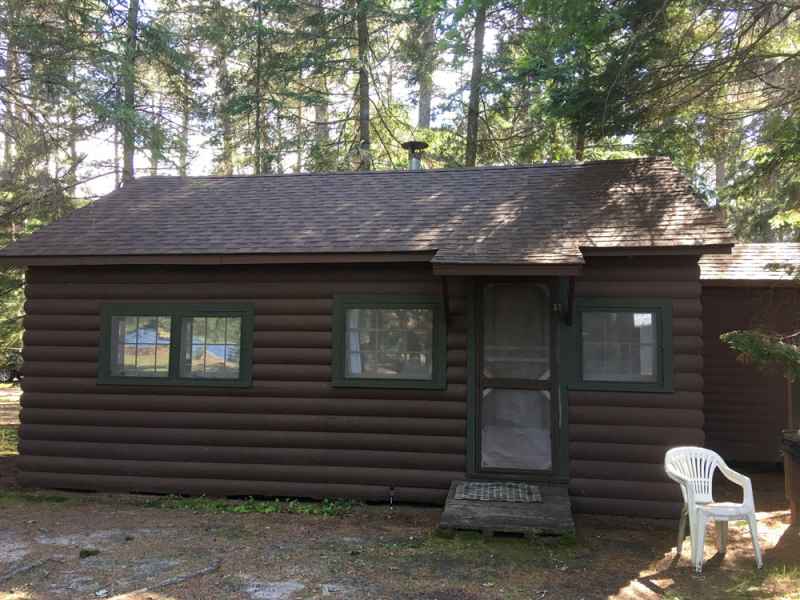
{"x":9,"y":440}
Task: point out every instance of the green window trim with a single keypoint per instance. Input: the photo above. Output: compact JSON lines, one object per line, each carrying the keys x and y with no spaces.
{"x":177,"y":312}
{"x":342,"y":304}
{"x":662,"y":308}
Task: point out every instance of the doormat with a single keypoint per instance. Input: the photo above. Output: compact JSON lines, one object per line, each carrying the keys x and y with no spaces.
{"x":497,"y":491}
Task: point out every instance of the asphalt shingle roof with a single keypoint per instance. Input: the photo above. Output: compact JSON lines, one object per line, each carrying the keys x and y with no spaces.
{"x":492,"y":215}
{"x":753,"y":262}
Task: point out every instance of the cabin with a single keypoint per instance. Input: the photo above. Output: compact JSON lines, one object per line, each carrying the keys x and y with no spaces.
{"x":747,"y":408}
{"x":373,"y":335}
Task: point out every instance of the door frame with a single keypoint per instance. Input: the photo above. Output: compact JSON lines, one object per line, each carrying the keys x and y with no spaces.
{"x":560,"y":372}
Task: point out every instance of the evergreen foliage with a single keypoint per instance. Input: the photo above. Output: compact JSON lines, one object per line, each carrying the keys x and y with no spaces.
{"x":274,"y":86}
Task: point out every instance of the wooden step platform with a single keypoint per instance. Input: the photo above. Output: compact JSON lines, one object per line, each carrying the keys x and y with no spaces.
{"x":551,"y":516}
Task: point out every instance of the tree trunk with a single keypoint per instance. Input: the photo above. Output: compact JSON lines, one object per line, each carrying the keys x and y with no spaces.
{"x":12,"y":67}
{"x":128,"y":92}
{"x":298,"y":165}
{"x":72,"y":179}
{"x":257,"y":162}
{"x":390,"y":80}
{"x":322,"y":134}
{"x":580,"y":142}
{"x":720,"y":173}
{"x":475,"y":82}
{"x":425,"y":73}
{"x":117,"y":173}
{"x":183,"y":156}
{"x":226,"y":159}
{"x":155,"y":151}
{"x":362,"y":26}
{"x":225,"y":163}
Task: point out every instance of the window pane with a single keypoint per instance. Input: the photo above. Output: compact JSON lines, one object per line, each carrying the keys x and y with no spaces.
{"x":391,"y":343}
{"x":515,"y":429}
{"x":215,"y":330}
{"x":129,"y":360}
{"x":516,"y":319}
{"x":146,"y":358}
{"x":162,"y":360}
{"x":140,"y":346}
{"x":620,"y":346}
{"x":233,"y":333}
{"x":147,"y":330}
{"x":211,"y":347}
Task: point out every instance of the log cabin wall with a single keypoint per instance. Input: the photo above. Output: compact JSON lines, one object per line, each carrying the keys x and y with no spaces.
{"x":617,"y":440}
{"x":290,"y":434}
{"x":746,"y":407}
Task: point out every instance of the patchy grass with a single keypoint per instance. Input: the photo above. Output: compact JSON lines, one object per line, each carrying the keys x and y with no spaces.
{"x":9,"y":438}
{"x":326,"y":508}
{"x":780,"y":581}
{"x":483,"y":554}
{"x":473,"y":547}
{"x":12,"y":496}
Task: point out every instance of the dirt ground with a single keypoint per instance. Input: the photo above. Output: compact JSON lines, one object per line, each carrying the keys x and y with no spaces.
{"x":58,"y":545}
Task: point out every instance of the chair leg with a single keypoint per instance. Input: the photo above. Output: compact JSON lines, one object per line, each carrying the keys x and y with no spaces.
{"x":692,"y":518}
{"x":722,"y":532}
{"x":699,"y":541}
{"x":681,"y":531}
{"x":751,"y":519}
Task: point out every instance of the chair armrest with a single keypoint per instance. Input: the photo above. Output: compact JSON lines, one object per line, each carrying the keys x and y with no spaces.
{"x":686,"y":490}
{"x":743,"y":481}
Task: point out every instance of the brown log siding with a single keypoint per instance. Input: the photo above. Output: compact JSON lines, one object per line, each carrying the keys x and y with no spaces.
{"x":291,"y":434}
{"x":746,"y":407}
{"x":617,"y":440}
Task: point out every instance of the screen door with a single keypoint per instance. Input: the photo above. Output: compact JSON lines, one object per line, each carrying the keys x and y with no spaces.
{"x":515,"y":404}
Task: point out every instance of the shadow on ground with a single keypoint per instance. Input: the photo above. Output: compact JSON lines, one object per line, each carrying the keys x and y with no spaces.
{"x":57,"y":545}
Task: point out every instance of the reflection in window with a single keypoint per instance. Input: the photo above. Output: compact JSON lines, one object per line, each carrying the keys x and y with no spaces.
{"x":211,"y":347}
{"x":620,"y":346}
{"x":140,"y":346}
{"x":389,"y":343}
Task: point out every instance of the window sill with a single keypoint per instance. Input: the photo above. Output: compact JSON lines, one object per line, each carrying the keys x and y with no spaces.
{"x":612,"y":386}
{"x":408,"y":384}
{"x":174,"y":382}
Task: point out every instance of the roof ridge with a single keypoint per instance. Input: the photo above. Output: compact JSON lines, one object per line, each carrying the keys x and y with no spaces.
{"x":555,"y":164}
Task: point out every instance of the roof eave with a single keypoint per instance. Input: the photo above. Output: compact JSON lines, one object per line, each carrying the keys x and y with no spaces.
{"x":507,"y":270}
{"x":220,"y":259}
{"x":684,"y":250}
{"x":751,"y":283}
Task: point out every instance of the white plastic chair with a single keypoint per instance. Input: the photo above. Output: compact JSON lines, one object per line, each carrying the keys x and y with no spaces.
{"x":693,"y":469}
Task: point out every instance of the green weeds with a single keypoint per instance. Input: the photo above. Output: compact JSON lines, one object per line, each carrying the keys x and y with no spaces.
{"x":9,"y":438}
{"x":326,"y":508}
{"x":769,"y":582}
{"x":8,"y":496}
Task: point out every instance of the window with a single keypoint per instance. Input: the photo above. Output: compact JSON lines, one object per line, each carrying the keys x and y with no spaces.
{"x":140,"y":345}
{"x":211,"y":347}
{"x":625,"y":344}
{"x":389,"y":342}
{"x":176,"y":344}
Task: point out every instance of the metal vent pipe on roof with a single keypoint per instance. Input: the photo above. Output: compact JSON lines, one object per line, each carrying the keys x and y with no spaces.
{"x":415,"y":149}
